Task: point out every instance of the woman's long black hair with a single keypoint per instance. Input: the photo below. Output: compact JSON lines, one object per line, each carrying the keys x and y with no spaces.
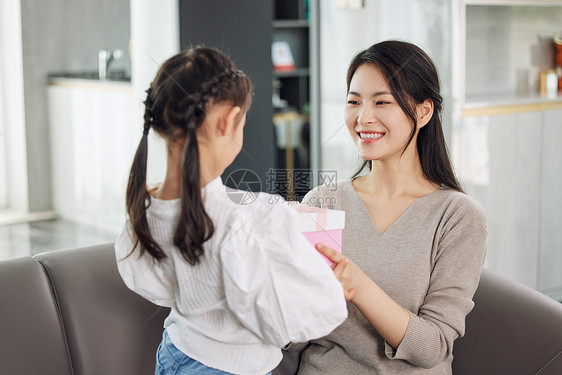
{"x":412,"y":78}
{"x":175,"y":107}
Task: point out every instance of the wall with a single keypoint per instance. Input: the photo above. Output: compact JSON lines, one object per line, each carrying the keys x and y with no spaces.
{"x":155,"y":36}
{"x":343,"y":33}
{"x":3,"y":171}
{"x":61,"y":35}
{"x":12,"y":115}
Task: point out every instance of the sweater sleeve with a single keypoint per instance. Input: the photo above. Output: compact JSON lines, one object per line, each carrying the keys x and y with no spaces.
{"x":458,"y":262}
{"x":276,"y":283}
{"x":143,"y":274}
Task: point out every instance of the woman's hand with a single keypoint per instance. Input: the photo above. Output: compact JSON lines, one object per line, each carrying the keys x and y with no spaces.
{"x":389,"y":318}
{"x":347,"y":272}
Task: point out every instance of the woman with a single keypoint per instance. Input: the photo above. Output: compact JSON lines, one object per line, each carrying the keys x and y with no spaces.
{"x":414,"y":243}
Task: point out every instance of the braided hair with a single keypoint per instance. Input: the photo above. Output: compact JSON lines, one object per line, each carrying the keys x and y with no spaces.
{"x":175,"y":107}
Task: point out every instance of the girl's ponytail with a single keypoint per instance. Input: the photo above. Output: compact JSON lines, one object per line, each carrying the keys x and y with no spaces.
{"x":194,"y":226}
{"x":137,"y":197}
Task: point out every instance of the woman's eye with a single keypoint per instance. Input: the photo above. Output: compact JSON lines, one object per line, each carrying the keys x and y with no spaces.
{"x":380,"y":102}
{"x":353,"y":102}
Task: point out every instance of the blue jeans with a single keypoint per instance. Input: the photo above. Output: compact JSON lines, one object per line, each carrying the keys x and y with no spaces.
{"x":171,"y":361}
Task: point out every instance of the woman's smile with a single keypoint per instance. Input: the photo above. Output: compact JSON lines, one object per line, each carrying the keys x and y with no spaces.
{"x":369,"y":136}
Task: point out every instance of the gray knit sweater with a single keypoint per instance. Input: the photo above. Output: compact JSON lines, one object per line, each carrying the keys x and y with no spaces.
{"x":429,"y":261}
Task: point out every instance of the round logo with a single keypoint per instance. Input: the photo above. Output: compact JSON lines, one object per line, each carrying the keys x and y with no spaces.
{"x":243,"y":186}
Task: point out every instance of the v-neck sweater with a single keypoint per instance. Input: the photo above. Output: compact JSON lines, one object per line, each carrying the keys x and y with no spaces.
{"x":428,"y":261}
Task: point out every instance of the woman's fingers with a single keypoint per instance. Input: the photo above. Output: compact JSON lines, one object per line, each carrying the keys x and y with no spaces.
{"x":339,"y":269}
{"x":330,"y":253}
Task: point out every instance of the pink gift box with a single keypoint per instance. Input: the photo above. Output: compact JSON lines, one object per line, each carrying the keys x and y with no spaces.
{"x":321,"y":225}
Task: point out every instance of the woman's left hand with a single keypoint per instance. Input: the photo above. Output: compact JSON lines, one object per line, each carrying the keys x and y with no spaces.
{"x":388,"y":317}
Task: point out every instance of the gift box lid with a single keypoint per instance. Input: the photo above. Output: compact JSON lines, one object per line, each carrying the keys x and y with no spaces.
{"x":314,"y":219}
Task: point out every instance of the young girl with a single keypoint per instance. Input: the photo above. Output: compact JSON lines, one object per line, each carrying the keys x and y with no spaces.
{"x":413,"y":243}
{"x":241,"y":280}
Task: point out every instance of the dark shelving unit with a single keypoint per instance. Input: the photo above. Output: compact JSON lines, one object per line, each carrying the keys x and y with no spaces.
{"x":246,"y":33}
{"x":295,"y":115}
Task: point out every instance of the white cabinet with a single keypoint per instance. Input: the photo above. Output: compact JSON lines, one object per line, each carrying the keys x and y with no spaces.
{"x":93,"y":139}
{"x":550,"y":280}
{"x":500,"y":167}
{"x":511,"y":164}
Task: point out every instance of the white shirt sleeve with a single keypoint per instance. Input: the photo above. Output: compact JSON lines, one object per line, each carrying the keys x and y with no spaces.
{"x":276,"y":282}
{"x":142,"y":273}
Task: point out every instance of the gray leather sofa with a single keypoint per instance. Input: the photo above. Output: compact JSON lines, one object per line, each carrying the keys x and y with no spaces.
{"x":68,"y":312}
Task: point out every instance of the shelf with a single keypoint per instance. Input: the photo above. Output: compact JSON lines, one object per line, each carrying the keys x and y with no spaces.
{"x":298,"y":72}
{"x":483,"y":101}
{"x":495,"y":105}
{"x":513,"y":2}
{"x":290,"y":24}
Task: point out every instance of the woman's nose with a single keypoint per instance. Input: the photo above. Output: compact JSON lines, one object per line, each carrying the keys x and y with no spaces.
{"x":366,"y":114}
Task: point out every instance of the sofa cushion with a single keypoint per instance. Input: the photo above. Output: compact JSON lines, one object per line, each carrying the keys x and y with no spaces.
{"x":30,"y":320}
{"x":110,"y":329}
{"x":512,"y":330}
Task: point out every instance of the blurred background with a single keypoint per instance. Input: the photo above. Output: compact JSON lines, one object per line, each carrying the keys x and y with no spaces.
{"x":73,"y":76}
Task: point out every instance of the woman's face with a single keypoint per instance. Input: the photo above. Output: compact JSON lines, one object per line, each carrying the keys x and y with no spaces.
{"x":377,"y":124}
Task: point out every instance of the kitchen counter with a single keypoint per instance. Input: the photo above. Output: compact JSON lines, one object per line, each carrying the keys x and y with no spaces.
{"x":89,"y":79}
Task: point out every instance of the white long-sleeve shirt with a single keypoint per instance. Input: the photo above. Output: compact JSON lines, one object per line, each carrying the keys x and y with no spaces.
{"x":259,"y":285}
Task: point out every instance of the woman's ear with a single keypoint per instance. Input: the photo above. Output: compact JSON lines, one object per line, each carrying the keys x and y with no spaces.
{"x":425,"y":112}
{"x":229,"y":122}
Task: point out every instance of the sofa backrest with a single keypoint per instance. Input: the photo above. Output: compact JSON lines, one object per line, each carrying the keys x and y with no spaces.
{"x":69,"y":313}
{"x":110,"y":329}
{"x":32,"y":339}
{"x":512,"y":330}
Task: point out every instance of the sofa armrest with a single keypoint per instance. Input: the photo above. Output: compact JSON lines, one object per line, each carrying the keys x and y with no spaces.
{"x":512,"y":330}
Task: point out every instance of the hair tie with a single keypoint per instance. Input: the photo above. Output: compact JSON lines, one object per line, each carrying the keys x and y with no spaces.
{"x":148,"y":101}
{"x":191,"y":125}
{"x":146,"y":130}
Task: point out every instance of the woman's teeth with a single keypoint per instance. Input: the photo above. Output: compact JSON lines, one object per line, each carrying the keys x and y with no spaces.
{"x":370,"y":135}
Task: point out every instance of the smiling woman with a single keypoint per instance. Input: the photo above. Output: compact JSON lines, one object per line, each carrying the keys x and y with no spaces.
{"x":414,"y":243}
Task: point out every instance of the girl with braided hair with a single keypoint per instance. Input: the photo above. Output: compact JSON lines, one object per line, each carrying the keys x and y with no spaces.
{"x":241,"y":281}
